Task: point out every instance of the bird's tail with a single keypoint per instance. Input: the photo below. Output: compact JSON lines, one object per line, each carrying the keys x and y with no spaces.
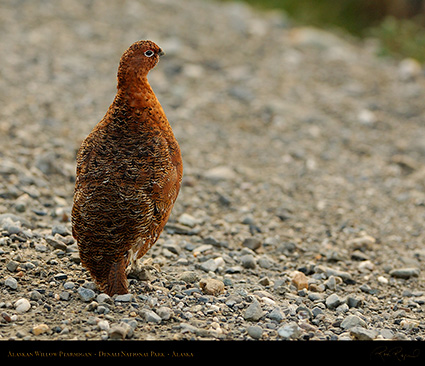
{"x":116,"y":282}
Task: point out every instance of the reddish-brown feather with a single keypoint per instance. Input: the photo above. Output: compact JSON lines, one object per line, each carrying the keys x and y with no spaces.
{"x":129,"y":171}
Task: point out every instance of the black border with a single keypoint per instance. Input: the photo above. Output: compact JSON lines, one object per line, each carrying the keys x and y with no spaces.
{"x":283,"y":352}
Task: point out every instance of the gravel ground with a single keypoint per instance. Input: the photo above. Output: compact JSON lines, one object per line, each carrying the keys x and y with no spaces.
{"x":302,"y":207}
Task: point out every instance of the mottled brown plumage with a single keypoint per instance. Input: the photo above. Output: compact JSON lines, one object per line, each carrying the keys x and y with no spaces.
{"x":129,"y":171}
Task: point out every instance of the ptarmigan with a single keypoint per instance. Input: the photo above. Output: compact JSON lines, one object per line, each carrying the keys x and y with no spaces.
{"x":129,"y":171}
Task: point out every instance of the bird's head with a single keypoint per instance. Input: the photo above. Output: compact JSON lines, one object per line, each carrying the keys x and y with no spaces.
{"x":138,"y":60}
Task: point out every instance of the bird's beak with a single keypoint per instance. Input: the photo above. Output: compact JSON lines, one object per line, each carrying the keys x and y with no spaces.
{"x":161,"y":53}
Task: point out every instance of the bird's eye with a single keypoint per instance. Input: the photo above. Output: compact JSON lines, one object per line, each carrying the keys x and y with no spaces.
{"x":149,"y":53}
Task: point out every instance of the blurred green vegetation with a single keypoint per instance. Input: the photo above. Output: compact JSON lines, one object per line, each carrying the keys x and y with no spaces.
{"x":399,"y":25}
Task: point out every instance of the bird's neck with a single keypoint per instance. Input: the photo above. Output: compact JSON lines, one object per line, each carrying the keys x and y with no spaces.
{"x":137,"y":93}
{"x":138,"y":101}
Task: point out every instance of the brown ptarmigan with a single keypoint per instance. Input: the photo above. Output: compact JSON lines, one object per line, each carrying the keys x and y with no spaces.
{"x":129,"y":171}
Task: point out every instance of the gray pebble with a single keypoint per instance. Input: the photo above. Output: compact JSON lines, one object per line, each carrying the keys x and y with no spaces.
{"x":86,"y":294}
{"x":290,"y":331}
{"x":12,"y":266}
{"x":332,"y":301}
{"x":189,"y":277}
{"x":164,"y":312}
{"x":276,"y":315}
{"x":56,"y":244}
{"x":124,"y":298}
{"x":130,"y":321}
{"x":209,"y":266}
{"x":363,"y":334}
{"x":405,"y":272}
{"x":152,"y":317}
{"x":352,"y":321}
{"x":61,"y":230}
{"x":65,"y":295}
{"x":354,"y":302}
{"x":103,"y":298}
{"x":121,"y":331}
{"x":69,"y":285}
{"x":248,"y":261}
{"x":252,"y":243}
{"x":35,"y":295}
{"x":254,"y":311}
{"x":11,"y":282}
{"x":255,"y":331}
{"x":316,"y":311}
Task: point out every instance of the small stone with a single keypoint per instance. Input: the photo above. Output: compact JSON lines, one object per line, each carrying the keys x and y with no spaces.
{"x":56,"y":244}
{"x":364,"y":242}
{"x":265,"y":281}
{"x":11,"y":282}
{"x":254,"y":311}
{"x":69,"y":285}
{"x":252,"y":243}
{"x":358,"y":255}
{"x":131,"y":322}
{"x":248,"y":261}
{"x":103,"y":325}
{"x":6,"y":317}
{"x":61,"y":230}
{"x":60,"y":276}
{"x":152,"y":317}
{"x":220,"y":173}
{"x":209,"y":266}
{"x":332,"y":301}
{"x":352,"y":321}
{"x":363,"y":334}
{"x":40,"y":247}
{"x":409,"y":324}
{"x":366,"y":117}
{"x":383,"y":280}
{"x":86,"y":294}
{"x":124,"y":298}
{"x":290,"y":331}
{"x":300,"y":280}
{"x":187,"y":220}
{"x":189,"y":277}
{"x":354,"y":302}
{"x":92,"y":306}
{"x":331,"y":282}
{"x":64,"y":295}
{"x":405,"y":272}
{"x":317,"y":311}
{"x":12,"y":266}
{"x":265,"y":262}
{"x":103,"y":298}
{"x":366,"y":266}
{"x":211,"y":286}
{"x":121,"y":331}
{"x":276,"y":315}
{"x":22,"y":305}
{"x":35,"y":295}
{"x":255,"y":331}
{"x":164,"y":312}
{"x":386,"y":333}
{"x":40,"y":329}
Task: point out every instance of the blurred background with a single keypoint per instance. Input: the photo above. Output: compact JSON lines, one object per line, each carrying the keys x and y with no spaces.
{"x":398,"y":24}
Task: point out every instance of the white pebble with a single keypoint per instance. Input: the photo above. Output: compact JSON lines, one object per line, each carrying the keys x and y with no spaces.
{"x":103,"y":325}
{"x":22,"y":305}
{"x":382,"y":279}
